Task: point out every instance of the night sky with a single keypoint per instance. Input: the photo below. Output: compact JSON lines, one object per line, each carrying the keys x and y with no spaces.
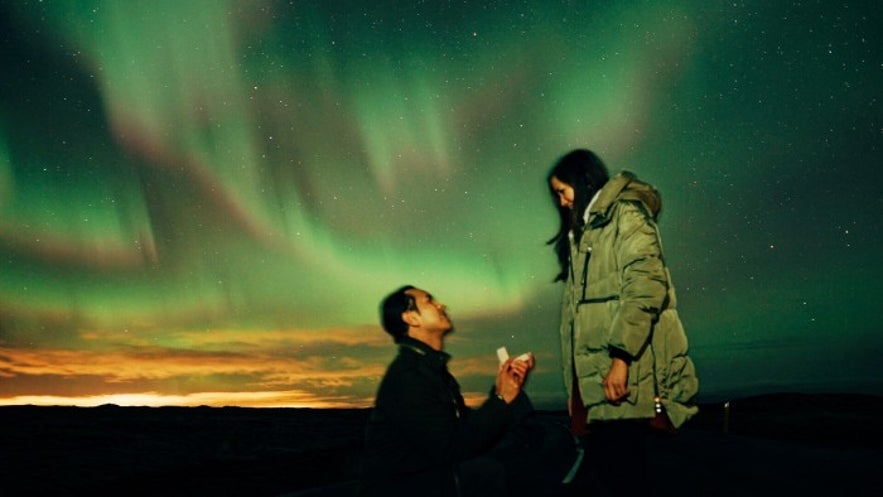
{"x":203,"y":202}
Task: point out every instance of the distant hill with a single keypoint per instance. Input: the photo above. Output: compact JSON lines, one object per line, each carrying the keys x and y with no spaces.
{"x":843,"y":420}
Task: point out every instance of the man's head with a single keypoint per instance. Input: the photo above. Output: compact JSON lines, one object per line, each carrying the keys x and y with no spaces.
{"x":411,"y":309}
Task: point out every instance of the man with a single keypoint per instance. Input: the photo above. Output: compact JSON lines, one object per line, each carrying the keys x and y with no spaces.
{"x":422,"y":439}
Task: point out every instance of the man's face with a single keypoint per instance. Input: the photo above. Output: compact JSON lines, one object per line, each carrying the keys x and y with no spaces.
{"x":431,"y":313}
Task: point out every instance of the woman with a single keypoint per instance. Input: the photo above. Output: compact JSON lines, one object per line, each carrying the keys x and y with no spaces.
{"x":624,"y":349}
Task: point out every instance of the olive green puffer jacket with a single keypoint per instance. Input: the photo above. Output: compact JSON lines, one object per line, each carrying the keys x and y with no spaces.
{"x":619,"y":294}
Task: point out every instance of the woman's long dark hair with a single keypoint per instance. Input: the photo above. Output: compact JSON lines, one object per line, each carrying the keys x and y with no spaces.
{"x":586,"y":174}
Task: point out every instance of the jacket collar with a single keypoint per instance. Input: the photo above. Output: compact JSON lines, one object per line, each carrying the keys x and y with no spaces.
{"x":410,"y":345}
{"x":624,"y":186}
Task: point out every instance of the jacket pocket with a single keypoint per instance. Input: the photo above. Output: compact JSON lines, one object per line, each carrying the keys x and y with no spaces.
{"x":592,"y":330}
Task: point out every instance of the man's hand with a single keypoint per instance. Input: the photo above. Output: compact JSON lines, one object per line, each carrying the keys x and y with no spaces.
{"x":511,"y":377}
{"x":616,"y":382}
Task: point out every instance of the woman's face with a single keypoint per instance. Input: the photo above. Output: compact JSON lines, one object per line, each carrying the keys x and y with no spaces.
{"x":563,"y":191}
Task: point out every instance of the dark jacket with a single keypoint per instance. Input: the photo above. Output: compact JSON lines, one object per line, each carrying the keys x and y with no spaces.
{"x":420,"y":427}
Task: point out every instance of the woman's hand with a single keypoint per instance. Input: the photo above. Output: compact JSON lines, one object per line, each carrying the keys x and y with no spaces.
{"x":616,"y":382}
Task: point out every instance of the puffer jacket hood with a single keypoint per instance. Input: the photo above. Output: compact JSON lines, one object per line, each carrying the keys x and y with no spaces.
{"x":626,"y":186}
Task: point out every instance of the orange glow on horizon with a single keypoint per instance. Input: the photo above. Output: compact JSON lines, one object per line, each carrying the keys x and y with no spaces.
{"x":291,"y":399}
{"x":322,"y":369}
{"x":280,"y":399}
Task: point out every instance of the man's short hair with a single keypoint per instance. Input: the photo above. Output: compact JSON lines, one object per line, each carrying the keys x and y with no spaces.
{"x":391,"y":310}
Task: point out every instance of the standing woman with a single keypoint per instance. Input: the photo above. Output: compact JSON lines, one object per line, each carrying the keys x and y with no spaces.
{"x":624,"y":350}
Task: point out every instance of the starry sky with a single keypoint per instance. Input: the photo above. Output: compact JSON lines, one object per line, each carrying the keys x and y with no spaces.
{"x":203,"y":202}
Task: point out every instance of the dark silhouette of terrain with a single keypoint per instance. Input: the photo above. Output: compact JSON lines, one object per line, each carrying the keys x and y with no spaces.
{"x":780,"y":444}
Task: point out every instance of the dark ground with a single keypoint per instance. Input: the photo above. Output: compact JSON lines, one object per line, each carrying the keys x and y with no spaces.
{"x":786,"y":444}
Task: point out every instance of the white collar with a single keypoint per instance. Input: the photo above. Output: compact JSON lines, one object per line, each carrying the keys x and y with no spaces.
{"x":586,"y":213}
{"x":589,"y":207}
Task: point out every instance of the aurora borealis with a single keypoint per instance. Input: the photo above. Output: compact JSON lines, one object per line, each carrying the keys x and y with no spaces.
{"x":203,"y":202}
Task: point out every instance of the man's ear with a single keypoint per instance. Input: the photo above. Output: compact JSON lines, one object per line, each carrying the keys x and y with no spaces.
{"x":411,"y":317}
